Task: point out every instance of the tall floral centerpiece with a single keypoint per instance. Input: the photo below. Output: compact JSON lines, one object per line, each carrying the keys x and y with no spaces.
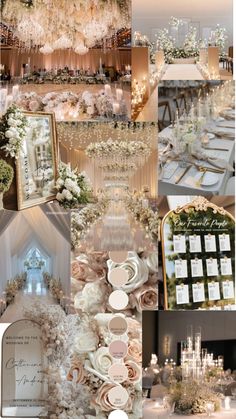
{"x":6,"y":177}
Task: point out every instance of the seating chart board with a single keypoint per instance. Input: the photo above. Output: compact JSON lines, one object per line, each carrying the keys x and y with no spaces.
{"x":198,"y":244}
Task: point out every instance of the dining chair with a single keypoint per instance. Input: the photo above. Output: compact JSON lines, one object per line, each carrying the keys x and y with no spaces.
{"x":164,"y":114}
{"x":180,"y":103}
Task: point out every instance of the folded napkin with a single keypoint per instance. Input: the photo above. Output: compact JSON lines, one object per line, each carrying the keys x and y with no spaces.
{"x":226,"y":124}
{"x":228,"y":114}
{"x":169,"y":169}
{"x":223,"y":132}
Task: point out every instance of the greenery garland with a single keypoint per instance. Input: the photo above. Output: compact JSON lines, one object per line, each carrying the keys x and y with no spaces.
{"x":6,"y":176}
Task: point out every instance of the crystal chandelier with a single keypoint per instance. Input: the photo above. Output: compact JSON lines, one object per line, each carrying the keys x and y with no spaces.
{"x":63,"y":24}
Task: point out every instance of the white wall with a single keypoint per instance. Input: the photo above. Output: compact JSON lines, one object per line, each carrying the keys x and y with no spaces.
{"x":150,"y":14}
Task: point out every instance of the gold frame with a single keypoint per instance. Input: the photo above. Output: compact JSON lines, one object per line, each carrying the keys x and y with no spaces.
{"x":200,"y":203}
{"x":54,"y":144}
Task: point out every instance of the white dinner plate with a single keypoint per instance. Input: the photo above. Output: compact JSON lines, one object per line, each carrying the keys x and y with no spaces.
{"x":210,"y":179}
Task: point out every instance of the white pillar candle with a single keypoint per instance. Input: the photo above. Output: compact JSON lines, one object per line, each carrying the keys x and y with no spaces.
{"x":107,"y":88}
{"x":3,"y":95}
{"x":9,"y":100}
{"x":119,"y":94}
{"x":116,"y":108}
{"x":227,"y":403}
{"x":15,"y":91}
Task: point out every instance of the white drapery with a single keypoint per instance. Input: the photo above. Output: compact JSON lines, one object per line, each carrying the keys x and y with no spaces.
{"x":31,"y":228}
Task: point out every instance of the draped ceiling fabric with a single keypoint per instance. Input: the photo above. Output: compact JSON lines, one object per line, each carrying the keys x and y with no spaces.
{"x":29,"y":229}
{"x":14,"y":60}
{"x":59,"y":218}
{"x":6,"y":218}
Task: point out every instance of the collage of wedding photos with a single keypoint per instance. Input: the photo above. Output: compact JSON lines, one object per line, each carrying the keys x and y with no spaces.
{"x":117,"y":209}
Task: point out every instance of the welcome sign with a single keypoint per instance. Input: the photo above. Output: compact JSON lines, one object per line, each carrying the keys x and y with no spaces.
{"x":24,"y":384}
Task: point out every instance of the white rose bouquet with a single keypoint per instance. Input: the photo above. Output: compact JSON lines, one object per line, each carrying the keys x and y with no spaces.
{"x":73,"y":188}
{"x":13,"y":129}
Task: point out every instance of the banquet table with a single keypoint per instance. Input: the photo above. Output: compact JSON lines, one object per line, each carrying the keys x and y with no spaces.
{"x":189,"y":183}
{"x":152,"y":412}
{"x":182,"y":72}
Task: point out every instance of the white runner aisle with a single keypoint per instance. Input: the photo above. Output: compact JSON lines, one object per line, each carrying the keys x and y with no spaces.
{"x":34,"y":290}
{"x":182,"y":72}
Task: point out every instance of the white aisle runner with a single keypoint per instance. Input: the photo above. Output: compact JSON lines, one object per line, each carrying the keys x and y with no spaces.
{"x":34,"y":290}
{"x":182,"y":72}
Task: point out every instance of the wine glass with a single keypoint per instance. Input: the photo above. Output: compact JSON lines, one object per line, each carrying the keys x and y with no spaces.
{"x":169,"y":406}
{"x":210,"y":407}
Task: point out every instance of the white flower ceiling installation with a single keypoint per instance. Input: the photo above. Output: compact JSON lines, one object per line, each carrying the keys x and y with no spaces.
{"x":63,"y":24}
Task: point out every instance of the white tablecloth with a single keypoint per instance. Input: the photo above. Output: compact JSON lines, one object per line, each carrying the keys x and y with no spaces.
{"x":188,"y":184}
{"x":182,"y":72}
{"x":150,"y":412}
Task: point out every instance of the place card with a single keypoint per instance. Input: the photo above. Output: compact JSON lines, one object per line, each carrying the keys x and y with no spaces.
{"x":212,"y":267}
{"x":198,"y":292}
{"x":213,"y":291}
{"x":228,"y":289}
{"x":179,"y":244}
{"x":226,"y":266}
{"x":196,"y":267}
{"x":182,"y":294}
{"x":224,"y":240}
{"x":195,"y":245}
{"x":210,"y":243}
{"x":181,"y":270}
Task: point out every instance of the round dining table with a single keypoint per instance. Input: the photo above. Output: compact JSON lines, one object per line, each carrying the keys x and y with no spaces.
{"x":152,"y":410}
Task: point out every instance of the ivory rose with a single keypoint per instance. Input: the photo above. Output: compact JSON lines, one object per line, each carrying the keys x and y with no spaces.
{"x":79,"y":369}
{"x":136,"y":269}
{"x":103,"y":402}
{"x":134,"y":352}
{"x":146,"y":298}
{"x":152,"y":262}
{"x":134,"y":372}
{"x":86,"y":342}
{"x":101,"y":360}
{"x":92,"y":299}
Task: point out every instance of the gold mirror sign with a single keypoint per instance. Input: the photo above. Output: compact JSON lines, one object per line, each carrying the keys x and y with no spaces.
{"x":198,"y":246}
{"x":36,"y":167}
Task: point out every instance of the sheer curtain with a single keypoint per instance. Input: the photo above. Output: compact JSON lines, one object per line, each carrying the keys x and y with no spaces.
{"x":32,"y":228}
{"x":14,"y":60}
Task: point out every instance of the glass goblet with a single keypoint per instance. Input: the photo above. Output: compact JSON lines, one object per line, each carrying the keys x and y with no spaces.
{"x":210,"y":407}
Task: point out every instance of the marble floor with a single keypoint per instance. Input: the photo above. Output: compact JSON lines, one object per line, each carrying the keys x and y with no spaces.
{"x":116,"y":230}
{"x":34,"y":290}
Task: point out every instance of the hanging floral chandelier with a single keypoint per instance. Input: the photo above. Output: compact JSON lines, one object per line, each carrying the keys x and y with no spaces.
{"x":62,"y":24}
